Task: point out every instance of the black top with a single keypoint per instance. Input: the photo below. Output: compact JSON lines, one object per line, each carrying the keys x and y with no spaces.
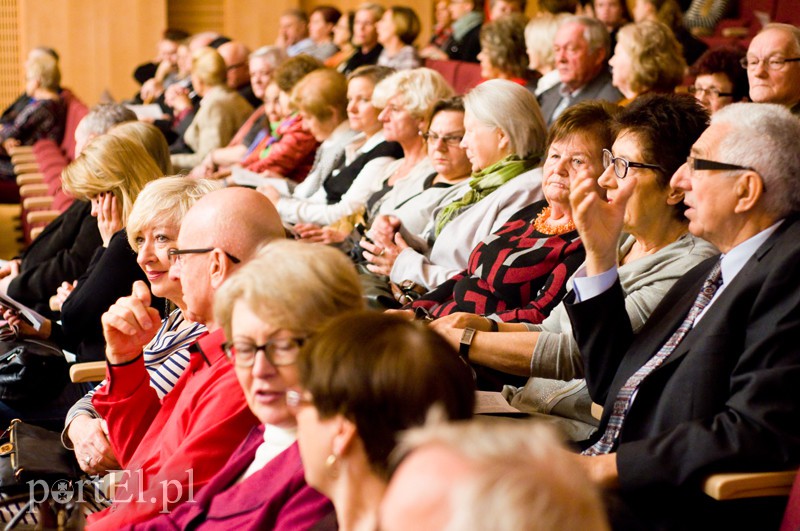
{"x":61,"y":253}
{"x":466,"y":49}
{"x":361,"y":59}
{"x":338,"y":183}
{"x":110,"y":276}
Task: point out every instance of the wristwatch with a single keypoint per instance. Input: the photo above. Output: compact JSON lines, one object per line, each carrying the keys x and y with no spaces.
{"x":466,"y":341}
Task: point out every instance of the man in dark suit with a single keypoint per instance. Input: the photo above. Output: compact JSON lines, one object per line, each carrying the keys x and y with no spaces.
{"x":581,"y":49}
{"x":710,"y":382}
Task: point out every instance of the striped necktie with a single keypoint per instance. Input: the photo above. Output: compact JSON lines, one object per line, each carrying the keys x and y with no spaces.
{"x":627,"y":392}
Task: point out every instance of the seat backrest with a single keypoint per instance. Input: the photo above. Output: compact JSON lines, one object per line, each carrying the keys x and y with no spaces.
{"x":791,"y":518}
{"x":76,"y":110}
{"x":461,"y":75}
{"x":787,"y":11}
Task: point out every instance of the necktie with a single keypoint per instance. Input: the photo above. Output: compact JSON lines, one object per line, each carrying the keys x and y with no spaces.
{"x":627,"y":392}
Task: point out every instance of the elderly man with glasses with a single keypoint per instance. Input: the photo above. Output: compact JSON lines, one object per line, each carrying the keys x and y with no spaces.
{"x":710,"y":382}
{"x":773,"y":66}
{"x":172,"y":447}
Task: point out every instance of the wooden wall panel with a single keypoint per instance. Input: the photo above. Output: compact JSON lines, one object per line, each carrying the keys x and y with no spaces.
{"x":195,"y":16}
{"x":100,"y":42}
{"x":11,"y":73}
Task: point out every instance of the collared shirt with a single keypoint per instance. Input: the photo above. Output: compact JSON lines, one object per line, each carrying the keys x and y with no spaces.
{"x":567,"y":97}
{"x":732,"y":263}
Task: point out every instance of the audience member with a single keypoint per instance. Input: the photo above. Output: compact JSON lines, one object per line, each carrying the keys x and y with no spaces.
{"x":157,"y":75}
{"x":188,"y":436}
{"x":365,"y":37}
{"x":110,"y":172}
{"x":262,"y":485}
{"x":504,"y":138}
{"x":397,"y":30}
{"x":713,"y":390}
{"x":293,"y":32}
{"x":503,"y":52}
{"x":344,"y":441}
{"x":464,"y":42}
{"x":64,"y":249}
{"x":647,"y":58}
{"x":659,"y":129}
{"x":669,"y":13}
{"x":152,"y":229}
{"x":501,"y":8}
{"x":42,"y":117}
{"x":442,"y":28}
{"x":222,"y":110}
{"x":581,"y":49}
{"x":236,"y":57}
{"x":772,"y":66}
{"x":365,"y":157}
{"x":719,"y":78}
{"x":540,"y":32}
{"x":320,"y":30}
{"x":10,"y":113}
{"x":613,"y":14}
{"x":343,"y":39}
{"x":262,"y":64}
{"x":489,"y":474}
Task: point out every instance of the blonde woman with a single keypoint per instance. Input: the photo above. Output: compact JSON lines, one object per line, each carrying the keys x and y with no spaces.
{"x":647,"y":58}
{"x":222,"y":110}
{"x":110,"y":173}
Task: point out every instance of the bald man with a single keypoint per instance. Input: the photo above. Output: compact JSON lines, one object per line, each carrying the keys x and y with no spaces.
{"x":171,"y":448}
{"x":235,"y":55}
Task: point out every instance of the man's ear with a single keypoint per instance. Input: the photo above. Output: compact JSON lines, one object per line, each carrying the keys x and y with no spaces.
{"x":218,"y":268}
{"x":749,"y":189}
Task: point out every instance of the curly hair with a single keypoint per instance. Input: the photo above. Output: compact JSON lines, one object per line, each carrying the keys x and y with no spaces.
{"x":656,"y":56}
{"x":503,"y":41}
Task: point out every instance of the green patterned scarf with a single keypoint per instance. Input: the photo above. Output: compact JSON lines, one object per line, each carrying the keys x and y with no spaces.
{"x":484,"y":183}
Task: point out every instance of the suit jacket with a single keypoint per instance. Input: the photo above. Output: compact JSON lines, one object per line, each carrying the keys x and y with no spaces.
{"x":726,"y":399}
{"x":600,"y":88}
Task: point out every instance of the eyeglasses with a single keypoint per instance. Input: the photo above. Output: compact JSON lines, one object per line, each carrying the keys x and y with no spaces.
{"x":175,"y":254}
{"x":621,"y":165}
{"x":295,"y":399}
{"x":704,"y":164}
{"x":279,"y":352}
{"x":772,"y":63}
{"x":449,"y":140}
{"x":713,"y":92}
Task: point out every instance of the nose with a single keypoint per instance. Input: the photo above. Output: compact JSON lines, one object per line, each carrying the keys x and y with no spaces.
{"x":608,"y":179}
{"x":145,"y":254}
{"x":561,"y":166}
{"x":760,"y":70}
{"x":680,"y":179}
{"x":384,"y":115}
{"x":261,"y":365}
{"x":175,"y":270}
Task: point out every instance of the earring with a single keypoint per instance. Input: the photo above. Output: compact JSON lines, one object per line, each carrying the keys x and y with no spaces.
{"x":332,"y":464}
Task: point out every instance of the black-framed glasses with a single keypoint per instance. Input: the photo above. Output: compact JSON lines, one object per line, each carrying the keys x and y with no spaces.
{"x":772,"y":63}
{"x":705,"y":164}
{"x":713,"y":92}
{"x":175,"y":254}
{"x":279,"y":352}
{"x":451,"y":140}
{"x":621,"y":165}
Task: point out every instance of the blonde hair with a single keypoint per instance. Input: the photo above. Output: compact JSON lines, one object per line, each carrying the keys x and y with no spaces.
{"x":321,"y":92}
{"x":293,"y":285}
{"x":150,"y":138}
{"x":165,"y":201}
{"x":539,"y":34}
{"x":657,"y":62}
{"x":113,"y":164}
{"x":43,"y":68}
{"x":419,"y":89}
{"x":209,"y":67}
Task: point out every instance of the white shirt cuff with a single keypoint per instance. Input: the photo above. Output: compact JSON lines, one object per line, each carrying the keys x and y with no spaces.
{"x":588,"y":287}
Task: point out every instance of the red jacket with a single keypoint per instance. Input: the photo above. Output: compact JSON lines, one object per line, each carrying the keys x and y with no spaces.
{"x":291,"y":151}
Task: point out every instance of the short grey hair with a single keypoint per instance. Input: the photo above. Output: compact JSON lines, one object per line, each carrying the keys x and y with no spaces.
{"x":377,"y":10}
{"x":594,"y":32}
{"x":764,"y":136}
{"x":514,"y":110}
{"x":274,"y":55}
{"x":521,"y":476}
{"x":103,"y":117}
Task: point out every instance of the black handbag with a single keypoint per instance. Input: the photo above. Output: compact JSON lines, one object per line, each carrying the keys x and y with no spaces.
{"x":31,"y":371}
{"x":32,"y":453}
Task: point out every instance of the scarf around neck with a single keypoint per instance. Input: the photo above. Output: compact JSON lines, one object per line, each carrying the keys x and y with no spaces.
{"x":483,"y":183}
{"x":462,"y":26}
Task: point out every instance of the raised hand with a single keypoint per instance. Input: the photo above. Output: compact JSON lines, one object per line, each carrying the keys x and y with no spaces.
{"x":109,"y":218}
{"x":129,"y":324}
{"x":599,"y":221}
